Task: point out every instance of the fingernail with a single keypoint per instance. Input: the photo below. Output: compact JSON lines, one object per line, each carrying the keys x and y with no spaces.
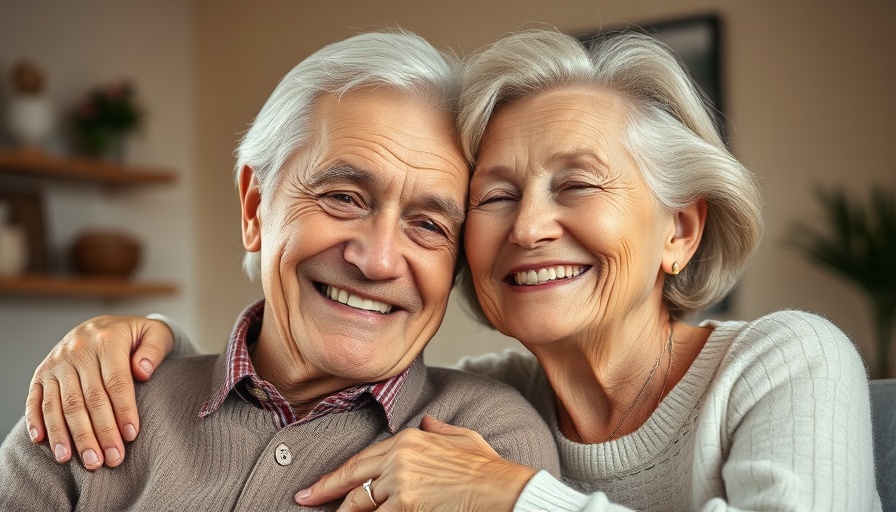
{"x":146,"y":365}
{"x":112,"y":454}
{"x":89,"y":457}
{"x":60,"y":452}
{"x":33,"y":433}
{"x":303,"y":494}
{"x":130,"y":433}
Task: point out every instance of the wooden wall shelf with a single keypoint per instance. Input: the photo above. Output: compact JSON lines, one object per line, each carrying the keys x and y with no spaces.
{"x":41,"y":165}
{"x":81,"y":286}
{"x":44,"y":167}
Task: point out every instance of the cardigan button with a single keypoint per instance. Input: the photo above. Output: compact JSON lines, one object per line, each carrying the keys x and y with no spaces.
{"x":259,"y":394}
{"x":283,"y":455}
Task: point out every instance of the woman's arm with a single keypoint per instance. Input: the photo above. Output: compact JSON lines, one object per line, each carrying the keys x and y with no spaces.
{"x":439,"y":467}
{"x":797,"y":422}
{"x":84,"y":389}
{"x":445,"y":467}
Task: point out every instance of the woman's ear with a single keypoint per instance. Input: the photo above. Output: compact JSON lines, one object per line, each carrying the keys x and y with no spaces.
{"x":686,"y":232}
{"x":250,"y":203}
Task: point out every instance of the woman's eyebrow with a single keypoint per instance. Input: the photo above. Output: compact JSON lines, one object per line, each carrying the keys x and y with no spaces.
{"x":583,"y":156}
{"x":492,"y":171}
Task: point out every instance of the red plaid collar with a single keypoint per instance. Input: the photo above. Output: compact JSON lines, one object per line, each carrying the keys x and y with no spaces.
{"x":239,"y":377}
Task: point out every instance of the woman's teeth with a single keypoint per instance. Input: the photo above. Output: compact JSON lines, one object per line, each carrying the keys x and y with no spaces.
{"x":543,"y":275}
{"x":352,"y":300}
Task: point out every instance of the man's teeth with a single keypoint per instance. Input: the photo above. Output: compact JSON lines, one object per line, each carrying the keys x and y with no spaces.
{"x":543,"y":275}
{"x":356,"y":302}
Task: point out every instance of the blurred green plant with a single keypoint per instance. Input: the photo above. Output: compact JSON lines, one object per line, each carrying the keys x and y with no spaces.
{"x":859,"y":244}
{"x":105,"y":116}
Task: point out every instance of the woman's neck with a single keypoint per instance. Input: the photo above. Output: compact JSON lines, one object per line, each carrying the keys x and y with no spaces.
{"x":608,"y":384}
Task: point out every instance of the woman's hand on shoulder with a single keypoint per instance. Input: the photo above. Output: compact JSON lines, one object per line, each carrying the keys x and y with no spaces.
{"x":84,"y":389}
{"x":438,"y":467}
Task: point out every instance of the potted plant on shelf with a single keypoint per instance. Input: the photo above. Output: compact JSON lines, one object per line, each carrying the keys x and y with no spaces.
{"x":860,"y":245}
{"x":105,"y":118}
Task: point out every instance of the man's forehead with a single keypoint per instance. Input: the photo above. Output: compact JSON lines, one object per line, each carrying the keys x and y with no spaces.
{"x":388,"y":134}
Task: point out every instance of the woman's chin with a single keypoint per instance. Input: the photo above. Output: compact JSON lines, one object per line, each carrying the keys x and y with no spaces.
{"x":532,"y":334}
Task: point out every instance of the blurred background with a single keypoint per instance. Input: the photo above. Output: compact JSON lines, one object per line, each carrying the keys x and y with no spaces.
{"x":808,"y":101}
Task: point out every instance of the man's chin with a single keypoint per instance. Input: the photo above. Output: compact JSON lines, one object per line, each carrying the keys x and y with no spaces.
{"x":362,"y":370}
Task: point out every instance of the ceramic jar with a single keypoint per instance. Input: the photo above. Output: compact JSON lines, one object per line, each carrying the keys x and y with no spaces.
{"x":13,"y":245}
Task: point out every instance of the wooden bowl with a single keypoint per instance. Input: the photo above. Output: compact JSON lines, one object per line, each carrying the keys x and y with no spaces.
{"x":106,"y":253}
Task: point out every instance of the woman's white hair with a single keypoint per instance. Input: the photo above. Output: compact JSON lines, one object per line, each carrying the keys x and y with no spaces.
{"x":670,"y":133}
{"x":396,"y":59}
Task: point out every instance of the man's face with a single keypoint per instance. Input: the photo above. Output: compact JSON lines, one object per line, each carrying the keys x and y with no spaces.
{"x":359,"y":237}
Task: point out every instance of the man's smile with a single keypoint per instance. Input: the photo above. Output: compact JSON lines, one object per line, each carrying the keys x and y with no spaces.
{"x":352,"y":300}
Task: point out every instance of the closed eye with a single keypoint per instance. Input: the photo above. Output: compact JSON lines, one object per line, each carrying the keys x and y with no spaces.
{"x":577,"y":185}
{"x":495,"y":198}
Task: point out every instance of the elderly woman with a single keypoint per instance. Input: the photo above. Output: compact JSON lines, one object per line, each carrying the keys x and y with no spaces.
{"x":604,"y":210}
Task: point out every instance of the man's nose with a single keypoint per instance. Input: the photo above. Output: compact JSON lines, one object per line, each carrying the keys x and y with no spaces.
{"x":377,"y":251}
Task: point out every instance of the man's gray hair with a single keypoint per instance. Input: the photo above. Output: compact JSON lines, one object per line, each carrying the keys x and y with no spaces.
{"x":670,"y":133}
{"x":396,"y":59}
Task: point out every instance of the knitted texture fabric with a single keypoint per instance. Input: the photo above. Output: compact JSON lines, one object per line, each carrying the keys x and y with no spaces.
{"x":235,"y":459}
{"x":773,"y":414}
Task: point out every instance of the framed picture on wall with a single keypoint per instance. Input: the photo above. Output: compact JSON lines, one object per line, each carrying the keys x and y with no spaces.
{"x":697,"y":41}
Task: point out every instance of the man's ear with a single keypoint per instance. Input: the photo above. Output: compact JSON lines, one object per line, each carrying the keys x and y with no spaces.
{"x":684,"y":237}
{"x":250,"y":204}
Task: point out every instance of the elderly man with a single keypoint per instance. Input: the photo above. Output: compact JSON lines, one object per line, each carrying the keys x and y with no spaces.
{"x":352,"y":189}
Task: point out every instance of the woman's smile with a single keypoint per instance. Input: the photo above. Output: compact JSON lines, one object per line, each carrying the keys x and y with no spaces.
{"x":540,"y":276}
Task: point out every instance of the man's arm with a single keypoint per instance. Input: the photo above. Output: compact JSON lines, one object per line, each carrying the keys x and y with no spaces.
{"x":30,"y":479}
{"x":84,"y":389}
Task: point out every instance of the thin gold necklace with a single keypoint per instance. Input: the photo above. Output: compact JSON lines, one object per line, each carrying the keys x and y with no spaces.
{"x":656,"y":365}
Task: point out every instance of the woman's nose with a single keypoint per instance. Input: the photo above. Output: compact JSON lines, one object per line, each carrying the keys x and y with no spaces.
{"x":536,"y":223}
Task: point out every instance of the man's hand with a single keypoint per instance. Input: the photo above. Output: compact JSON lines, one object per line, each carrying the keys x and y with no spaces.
{"x":84,"y":389}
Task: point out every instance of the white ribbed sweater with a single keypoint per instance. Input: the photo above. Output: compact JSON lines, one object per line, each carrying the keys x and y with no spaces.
{"x":773,"y":414}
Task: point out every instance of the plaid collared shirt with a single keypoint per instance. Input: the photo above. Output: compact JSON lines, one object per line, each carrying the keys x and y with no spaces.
{"x":240,"y":378}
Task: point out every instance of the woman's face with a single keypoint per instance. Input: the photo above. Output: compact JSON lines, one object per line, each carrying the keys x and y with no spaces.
{"x":563,"y":237}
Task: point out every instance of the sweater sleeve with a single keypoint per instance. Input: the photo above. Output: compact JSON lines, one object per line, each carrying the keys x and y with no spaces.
{"x":511,"y":367}
{"x":183,"y":346}
{"x":544,"y":492}
{"x":30,"y":479}
{"x":798,"y":421}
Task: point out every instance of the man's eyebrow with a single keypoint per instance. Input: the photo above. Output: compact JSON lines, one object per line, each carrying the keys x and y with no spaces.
{"x":339,"y":173}
{"x":443,"y":206}
{"x":344,"y":173}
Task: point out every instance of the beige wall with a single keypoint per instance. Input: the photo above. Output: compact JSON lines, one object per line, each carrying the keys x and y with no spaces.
{"x":808,"y":91}
{"x":81,"y":45}
{"x":808,"y":98}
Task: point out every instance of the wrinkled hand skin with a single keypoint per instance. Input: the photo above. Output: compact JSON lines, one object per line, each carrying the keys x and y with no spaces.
{"x":439,"y":467}
{"x":84,"y":389}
